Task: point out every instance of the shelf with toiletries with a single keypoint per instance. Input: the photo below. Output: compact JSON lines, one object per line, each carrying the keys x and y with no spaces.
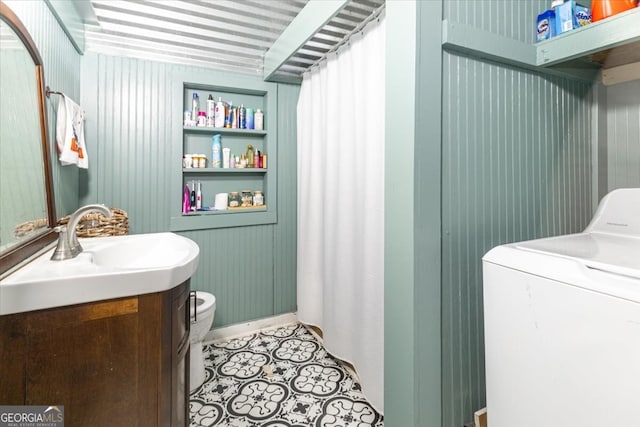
{"x":223,"y":171}
{"x":219,"y":162}
{"x":229,"y":211}
{"x":223,"y":131}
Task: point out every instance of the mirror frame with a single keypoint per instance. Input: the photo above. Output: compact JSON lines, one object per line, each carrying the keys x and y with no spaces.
{"x":19,"y":253}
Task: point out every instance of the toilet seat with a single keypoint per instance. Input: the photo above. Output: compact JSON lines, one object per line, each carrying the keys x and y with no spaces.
{"x":204,"y":302}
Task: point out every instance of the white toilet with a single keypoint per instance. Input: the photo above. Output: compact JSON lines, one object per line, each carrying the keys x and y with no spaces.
{"x":201,"y":322}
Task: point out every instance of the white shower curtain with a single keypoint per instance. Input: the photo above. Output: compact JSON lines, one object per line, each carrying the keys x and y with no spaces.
{"x":341,"y":113}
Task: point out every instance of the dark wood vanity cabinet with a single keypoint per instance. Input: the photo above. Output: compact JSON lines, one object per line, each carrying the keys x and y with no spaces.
{"x":121,"y":362}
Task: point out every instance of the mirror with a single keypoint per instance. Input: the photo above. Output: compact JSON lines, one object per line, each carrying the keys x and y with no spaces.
{"x":27,"y":213}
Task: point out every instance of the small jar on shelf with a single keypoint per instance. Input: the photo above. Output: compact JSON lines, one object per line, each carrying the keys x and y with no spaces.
{"x":247,"y":199}
{"x":234,"y":199}
{"x":258,"y":198}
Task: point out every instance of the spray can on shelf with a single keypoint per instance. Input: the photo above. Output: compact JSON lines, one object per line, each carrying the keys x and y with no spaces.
{"x":227,"y":114}
{"x":211,"y":105}
{"x":216,"y":146}
{"x":195,"y":107}
{"x":242,"y":122}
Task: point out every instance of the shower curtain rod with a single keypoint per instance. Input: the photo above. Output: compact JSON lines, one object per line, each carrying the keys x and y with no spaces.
{"x":374,"y":15}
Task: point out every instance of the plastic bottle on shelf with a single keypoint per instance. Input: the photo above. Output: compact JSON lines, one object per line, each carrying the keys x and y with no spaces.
{"x":601,"y":9}
{"x":250,"y":117}
{"x":258,"y":120}
{"x":250,"y":156}
{"x":219,"y":114}
{"x":186,"y":200}
{"x":199,"y":197}
{"x":216,"y":148}
{"x":192,"y":202}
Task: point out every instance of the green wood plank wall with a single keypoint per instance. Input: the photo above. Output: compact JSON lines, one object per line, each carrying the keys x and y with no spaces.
{"x":61,"y":73}
{"x":251,"y":270}
{"x":623,"y":135}
{"x":513,"y":19}
{"x":285,"y":240}
{"x":516,"y":165}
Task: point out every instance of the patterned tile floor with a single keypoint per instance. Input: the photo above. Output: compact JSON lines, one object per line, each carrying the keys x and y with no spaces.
{"x":279,"y":377}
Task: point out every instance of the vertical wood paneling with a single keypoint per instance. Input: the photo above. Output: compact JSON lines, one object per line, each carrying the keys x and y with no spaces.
{"x":61,"y":73}
{"x":132,"y":144}
{"x":285,"y":249}
{"x":623,"y":135}
{"x":251,"y":270}
{"x":513,"y":19}
{"x":236,"y":265}
{"x":516,"y":165}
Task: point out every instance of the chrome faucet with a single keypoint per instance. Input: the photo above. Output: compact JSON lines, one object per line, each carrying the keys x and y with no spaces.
{"x":68,"y":244}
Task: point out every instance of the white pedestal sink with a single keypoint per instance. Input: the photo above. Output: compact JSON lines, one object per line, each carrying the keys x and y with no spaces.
{"x":109,"y":267}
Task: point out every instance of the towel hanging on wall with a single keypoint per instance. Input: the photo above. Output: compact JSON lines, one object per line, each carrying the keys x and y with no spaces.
{"x":70,"y":133}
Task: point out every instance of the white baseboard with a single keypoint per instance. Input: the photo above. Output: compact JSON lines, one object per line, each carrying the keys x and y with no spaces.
{"x":240,"y":329}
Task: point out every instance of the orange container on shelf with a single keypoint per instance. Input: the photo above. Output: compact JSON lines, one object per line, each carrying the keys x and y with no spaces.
{"x":601,"y":9}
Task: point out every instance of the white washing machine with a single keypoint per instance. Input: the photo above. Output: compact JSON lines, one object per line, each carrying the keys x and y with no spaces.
{"x":562,"y":324}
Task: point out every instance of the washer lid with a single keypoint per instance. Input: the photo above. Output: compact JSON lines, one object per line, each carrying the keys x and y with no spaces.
{"x":618,"y":213}
{"x":612,"y":253}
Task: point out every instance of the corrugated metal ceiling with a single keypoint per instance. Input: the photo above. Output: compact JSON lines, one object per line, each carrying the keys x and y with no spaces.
{"x":221,"y":34}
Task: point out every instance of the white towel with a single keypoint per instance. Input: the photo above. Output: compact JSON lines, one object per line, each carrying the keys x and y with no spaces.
{"x":70,"y":134}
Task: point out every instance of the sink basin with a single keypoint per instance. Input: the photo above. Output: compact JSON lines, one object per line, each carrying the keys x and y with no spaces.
{"x":109,"y":267}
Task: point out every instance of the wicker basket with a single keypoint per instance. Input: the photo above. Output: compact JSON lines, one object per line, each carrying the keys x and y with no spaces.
{"x":95,"y":224}
{"x":28,"y":227}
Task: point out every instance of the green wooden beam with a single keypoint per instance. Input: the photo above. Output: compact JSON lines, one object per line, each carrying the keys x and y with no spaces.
{"x":617,"y":30}
{"x":483,"y":44}
{"x":310,"y":19}
{"x":470,"y":41}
